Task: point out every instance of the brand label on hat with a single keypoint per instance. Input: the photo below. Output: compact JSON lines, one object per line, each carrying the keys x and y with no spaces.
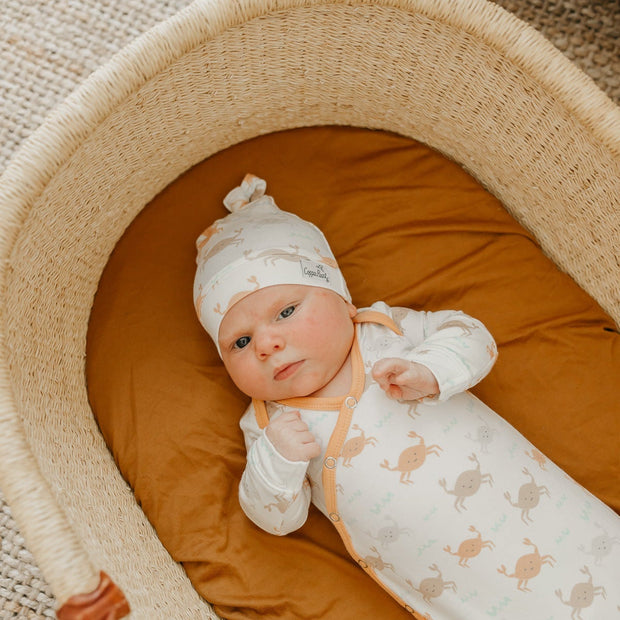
{"x":313,"y":271}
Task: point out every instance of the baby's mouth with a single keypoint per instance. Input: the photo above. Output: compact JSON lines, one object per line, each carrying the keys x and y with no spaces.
{"x":287,"y":370}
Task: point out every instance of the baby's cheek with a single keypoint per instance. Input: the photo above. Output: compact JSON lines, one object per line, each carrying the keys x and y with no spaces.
{"x":317,"y":329}
{"x":244,"y":377}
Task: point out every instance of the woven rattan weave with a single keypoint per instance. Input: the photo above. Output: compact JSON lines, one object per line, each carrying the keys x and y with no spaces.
{"x":466,"y":77}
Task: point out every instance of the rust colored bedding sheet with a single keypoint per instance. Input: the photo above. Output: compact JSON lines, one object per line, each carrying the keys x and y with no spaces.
{"x":408,"y":227}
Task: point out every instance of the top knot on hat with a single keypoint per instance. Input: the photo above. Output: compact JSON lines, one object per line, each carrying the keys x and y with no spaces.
{"x":251,"y":190}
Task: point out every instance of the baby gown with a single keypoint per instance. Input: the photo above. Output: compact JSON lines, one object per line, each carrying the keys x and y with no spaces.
{"x":442,"y":502}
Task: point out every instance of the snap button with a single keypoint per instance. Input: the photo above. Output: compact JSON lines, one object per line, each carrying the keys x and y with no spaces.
{"x":362,"y":563}
{"x":409,"y":609}
{"x":334,"y":516}
{"x":330,"y":462}
{"x":350,"y":402}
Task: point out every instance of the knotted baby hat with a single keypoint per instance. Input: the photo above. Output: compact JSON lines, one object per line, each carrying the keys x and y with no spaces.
{"x":255,"y":246}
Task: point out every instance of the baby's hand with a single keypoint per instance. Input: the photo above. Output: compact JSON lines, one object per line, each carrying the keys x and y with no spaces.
{"x":290,"y":436}
{"x":404,"y":380}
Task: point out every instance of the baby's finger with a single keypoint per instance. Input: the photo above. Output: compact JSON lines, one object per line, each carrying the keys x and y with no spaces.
{"x":305,"y":437}
{"x":381,"y":368}
{"x":310,"y":450}
{"x":394,"y":391}
{"x":388,"y":368}
{"x":292,"y":420}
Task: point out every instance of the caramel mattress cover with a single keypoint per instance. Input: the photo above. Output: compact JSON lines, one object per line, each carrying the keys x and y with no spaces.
{"x":408,"y":227}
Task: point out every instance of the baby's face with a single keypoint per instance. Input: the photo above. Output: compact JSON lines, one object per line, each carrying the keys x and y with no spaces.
{"x":286,"y":341}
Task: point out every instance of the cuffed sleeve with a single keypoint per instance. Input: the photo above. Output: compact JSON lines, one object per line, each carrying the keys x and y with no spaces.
{"x":455,"y":347}
{"x":273,"y":492}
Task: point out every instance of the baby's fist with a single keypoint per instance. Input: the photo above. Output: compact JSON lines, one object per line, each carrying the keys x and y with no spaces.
{"x":290,"y":436}
{"x":404,"y":380}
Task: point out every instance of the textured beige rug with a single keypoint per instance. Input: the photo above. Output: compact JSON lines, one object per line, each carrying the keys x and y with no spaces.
{"x":47,"y":47}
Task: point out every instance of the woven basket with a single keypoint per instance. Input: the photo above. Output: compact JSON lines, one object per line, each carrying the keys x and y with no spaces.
{"x":465,"y":77}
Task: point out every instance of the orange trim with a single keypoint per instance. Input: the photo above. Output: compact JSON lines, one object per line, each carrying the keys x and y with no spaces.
{"x":106,"y":602}
{"x":317,"y":403}
{"x":334,"y":447}
{"x":260,"y":411}
{"x":336,"y":441}
{"x":374,"y":316}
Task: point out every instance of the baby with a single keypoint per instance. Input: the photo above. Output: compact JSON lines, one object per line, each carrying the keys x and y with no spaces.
{"x":366,"y":414}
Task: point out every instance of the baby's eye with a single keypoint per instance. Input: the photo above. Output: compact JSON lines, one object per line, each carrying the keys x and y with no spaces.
{"x":287,"y":312}
{"x":242,"y":342}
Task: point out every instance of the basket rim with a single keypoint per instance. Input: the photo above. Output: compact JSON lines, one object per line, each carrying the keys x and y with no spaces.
{"x":74,"y":119}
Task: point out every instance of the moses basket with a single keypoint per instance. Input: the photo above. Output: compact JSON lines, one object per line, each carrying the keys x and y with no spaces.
{"x":466,"y":78}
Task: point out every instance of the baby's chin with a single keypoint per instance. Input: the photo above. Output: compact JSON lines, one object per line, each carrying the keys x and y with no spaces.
{"x":289,"y":392}
{"x":283,"y":395}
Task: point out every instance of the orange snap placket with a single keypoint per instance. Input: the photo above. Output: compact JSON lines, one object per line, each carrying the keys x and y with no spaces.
{"x":407,"y":608}
{"x":330,"y":462}
{"x":334,"y":516}
{"x":350,"y":402}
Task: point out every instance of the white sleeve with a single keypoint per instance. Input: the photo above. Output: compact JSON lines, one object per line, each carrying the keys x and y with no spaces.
{"x":273,"y":492}
{"x":455,"y":347}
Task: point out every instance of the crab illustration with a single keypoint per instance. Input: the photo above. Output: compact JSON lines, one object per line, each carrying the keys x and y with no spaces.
{"x":432,"y":587}
{"x":412,"y":458}
{"x":582,"y":595}
{"x":467,"y":484}
{"x":484,"y":436}
{"x":538,"y":457}
{"x":282,"y":503}
{"x":528,"y":566}
{"x":376,"y":561}
{"x":529,"y":496}
{"x":412,"y":408}
{"x":600,"y":546}
{"x":390,"y":533}
{"x":354,"y":446}
{"x":470,"y":548}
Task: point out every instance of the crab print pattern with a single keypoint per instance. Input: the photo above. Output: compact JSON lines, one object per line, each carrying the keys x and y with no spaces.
{"x":470,"y":547}
{"x":449,"y":532}
{"x":467,"y":484}
{"x":412,"y":458}
{"x":582,"y":595}
{"x":355,"y":445}
{"x":529,"y":496}
{"x":527,"y":567}
{"x":432,"y":587}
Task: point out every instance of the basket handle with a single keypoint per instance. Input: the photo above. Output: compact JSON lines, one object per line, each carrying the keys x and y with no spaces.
{"x":49,"y":536}
{"x":106,"y":602}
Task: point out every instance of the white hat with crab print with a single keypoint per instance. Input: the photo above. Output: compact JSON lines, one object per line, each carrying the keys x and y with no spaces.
{"x":258,"y":245}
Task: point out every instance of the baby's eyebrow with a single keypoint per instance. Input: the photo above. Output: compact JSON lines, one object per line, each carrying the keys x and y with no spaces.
{"x":229,"y":339}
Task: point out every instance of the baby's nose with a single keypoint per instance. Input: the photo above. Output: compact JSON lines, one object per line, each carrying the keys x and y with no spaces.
{"x":268,"y":342}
